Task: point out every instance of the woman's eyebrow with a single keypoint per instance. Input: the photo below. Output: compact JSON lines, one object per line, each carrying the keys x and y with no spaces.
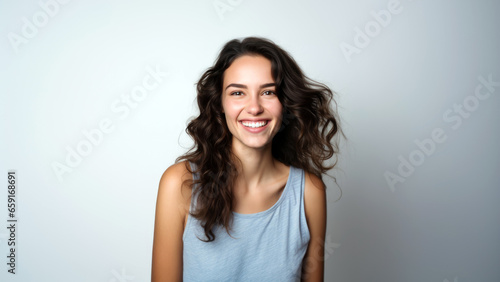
{"x":268,"y":85}
{"x":245,"y":87}
{"x":237,"y":85}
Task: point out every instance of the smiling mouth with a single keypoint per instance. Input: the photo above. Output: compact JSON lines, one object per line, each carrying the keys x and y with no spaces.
{"x":254,"y":124}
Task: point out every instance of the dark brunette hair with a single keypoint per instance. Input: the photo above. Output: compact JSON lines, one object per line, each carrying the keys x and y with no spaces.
{"x":305,"y":139}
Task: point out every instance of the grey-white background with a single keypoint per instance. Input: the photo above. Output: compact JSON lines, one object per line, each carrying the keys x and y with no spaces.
{"x":409,"y":212}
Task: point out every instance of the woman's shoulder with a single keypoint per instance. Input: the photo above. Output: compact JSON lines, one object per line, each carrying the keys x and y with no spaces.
{"x":176,"y":182}
{"x":176,"y":173}
{"x":313,"y":181}
{"x":314,"y":196}
{"x":314,"y":187}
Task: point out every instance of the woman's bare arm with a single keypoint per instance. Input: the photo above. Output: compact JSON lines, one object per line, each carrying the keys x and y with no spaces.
{"x":171,"y":208}
{"x":315,"y":208}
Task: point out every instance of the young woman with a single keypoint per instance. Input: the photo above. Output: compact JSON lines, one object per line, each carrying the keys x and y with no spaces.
{"x":247,"y":202}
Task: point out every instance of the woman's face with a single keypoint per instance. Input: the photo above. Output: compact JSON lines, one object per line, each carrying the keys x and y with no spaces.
{"x":249,"y":101}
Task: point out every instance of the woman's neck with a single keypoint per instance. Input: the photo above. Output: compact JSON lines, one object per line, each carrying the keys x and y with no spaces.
{"x":255,"y":166}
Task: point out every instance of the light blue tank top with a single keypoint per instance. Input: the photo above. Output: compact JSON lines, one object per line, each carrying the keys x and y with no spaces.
{"x":267,"y":246}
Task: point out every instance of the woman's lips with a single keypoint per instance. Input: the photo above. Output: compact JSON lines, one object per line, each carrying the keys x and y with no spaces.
{"x":254,"y":126}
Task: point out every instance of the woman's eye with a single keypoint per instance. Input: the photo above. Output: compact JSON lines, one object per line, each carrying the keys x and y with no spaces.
{"x":268,"y":92}
{"x":237,"y":93}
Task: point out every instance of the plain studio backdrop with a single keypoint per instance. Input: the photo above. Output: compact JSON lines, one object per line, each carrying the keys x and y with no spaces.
{"x":95,"y":97}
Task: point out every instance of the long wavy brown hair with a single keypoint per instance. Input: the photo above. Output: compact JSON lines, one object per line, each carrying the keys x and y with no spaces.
{"x":305,"y":139}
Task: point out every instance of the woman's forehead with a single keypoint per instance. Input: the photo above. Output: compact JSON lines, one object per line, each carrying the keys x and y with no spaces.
{"x":248,"y":70}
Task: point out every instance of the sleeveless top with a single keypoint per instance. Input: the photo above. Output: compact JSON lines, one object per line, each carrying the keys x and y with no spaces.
{"x":267,"y":246}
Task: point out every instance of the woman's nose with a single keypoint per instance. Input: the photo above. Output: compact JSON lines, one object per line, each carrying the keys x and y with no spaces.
{"x":254,"y":105}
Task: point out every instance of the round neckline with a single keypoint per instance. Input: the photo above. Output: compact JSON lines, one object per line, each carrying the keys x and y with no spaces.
{"x":273,"y":207}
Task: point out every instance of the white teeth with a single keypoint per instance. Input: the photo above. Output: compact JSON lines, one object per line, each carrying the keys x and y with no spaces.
{"x":254,"y":124}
